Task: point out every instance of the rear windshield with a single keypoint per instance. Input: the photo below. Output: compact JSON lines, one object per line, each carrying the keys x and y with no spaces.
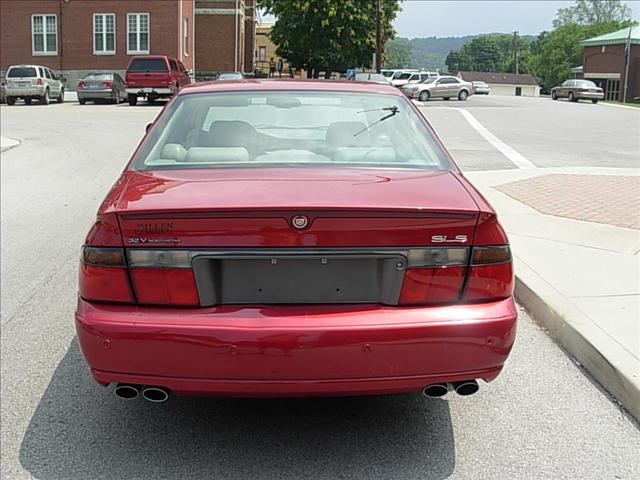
{"x":585,"y":83}
{"x":22,"y":72}
{"x":148,"y":65}
{"x":99,"y":77}
{"x":302,"y":128}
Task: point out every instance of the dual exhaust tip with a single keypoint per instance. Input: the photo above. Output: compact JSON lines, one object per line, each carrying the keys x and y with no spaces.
{"x":150,"y":393}
{"x":463,"y":388}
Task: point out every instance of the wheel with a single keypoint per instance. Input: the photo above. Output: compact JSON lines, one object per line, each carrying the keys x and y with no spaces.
{"x":462,"y":96}
{"x":27,"y":101}
{"x":554,"y":95}
{"x":572,"y":98}
{"x":11,"y":100}
{"x":82,"y":101}
{"x":424,"y":95}
{"x":594,"y":100}
{"x":132,"y":98}
{"x":44,"y":100}
{"x":60,"y":98}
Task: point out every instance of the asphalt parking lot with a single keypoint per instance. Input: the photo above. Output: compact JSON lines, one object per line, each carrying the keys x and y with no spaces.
{"x":542,"y":418}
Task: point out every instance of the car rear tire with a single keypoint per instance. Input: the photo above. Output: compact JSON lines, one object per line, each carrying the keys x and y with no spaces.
{"x":554,"y":95}
{"x":82,"y":101}
{"x":132,"y":98}
{"x":424,"y":96}
{"x":44,"y":99}
{"x":60,"y":98}
{"x":594,"y":100}
{"x":572,"y":98}
{"x":463,"y":95}
{"x":11,"y":100}
{"x":27,"y":101}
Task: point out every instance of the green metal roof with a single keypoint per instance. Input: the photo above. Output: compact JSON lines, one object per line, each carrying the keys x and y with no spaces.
{"x":614,"y":38}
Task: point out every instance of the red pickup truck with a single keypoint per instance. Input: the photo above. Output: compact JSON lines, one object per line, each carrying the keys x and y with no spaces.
{"x":153,"y":77}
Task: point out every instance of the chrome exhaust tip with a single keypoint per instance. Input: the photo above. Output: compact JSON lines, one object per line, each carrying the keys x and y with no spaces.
{"x":466,"y":387}
{"x":155,"y":394}
{"x":127,"y":391}
{"x":435,"y":390}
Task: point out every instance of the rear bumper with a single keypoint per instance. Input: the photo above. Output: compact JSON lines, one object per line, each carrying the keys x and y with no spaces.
{"x":590,"y":95}
{"x":24,"y":92}
{"x":286,"y":350}
{"x":86,"y":94}
{"x":146,"y":91}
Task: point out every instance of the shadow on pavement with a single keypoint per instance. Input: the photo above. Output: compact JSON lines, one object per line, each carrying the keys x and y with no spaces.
{"x":80,"y":430}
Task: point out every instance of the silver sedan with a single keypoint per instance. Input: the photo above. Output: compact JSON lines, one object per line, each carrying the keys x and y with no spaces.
{"x":439,"y":87}
{"x":102,"y":86}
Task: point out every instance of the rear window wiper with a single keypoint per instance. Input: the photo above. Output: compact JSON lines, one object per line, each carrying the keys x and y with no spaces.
{"x":394,"y":110}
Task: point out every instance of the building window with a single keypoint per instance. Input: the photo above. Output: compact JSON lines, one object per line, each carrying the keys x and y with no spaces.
{"x":185,"y":36}
{"x":104,"y":34}
{"x":137,"y":33}
{"x":44,"y":34}
{"x":262,"y":54}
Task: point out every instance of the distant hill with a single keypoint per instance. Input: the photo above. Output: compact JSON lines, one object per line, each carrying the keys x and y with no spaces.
{"x":430,"y":52}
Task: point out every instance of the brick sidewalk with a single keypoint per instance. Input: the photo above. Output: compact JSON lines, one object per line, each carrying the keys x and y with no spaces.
{"x":609,"y":199}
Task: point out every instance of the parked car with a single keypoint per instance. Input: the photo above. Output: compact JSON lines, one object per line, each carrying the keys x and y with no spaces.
{"x":230,"y":76}
{"x":372,"y":77}
{"x":102,"y":86}
{"x":153,"y":77}
{"x":480,"y":88}
{"x":32,"y":82}
{"x":402,"y":78}
{"x":277,"y":239}
{"x":575,"y":90}
{"x":439,"y":87}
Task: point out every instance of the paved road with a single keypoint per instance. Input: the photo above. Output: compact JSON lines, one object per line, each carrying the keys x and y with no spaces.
{"x":543,"y":418}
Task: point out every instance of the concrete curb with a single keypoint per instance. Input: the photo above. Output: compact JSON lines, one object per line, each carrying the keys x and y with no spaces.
{"x":8,"y":143}
{"x":615,"y":370}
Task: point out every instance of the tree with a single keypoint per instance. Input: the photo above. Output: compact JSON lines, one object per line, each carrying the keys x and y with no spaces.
{"x":592,"y":12}
{"x":490,"y":53}
{"x":560,"y":50}
{"x":397,"y":53}
{"x":328,"y":35}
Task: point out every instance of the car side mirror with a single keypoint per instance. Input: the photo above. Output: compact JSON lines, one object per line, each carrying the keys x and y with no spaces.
{"x":149,"y":125}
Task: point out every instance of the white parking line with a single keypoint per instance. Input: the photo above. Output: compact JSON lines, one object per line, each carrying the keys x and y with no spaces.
{"x":502,"y":147}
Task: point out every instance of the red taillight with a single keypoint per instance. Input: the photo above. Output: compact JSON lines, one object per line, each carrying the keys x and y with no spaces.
{"x":431,"y":285}
{"x":81,"y":84}
{"x":435,"y":275}
{"x":165,"y":286}
{"x":490,"y":274}
{"x":163,"y":277}
{"x":39,"y":81}
{"x":106,"y":84}
{"x":103,"y":275}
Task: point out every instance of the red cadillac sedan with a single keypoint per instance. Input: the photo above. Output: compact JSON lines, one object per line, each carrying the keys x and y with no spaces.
{"x":293,"y":238}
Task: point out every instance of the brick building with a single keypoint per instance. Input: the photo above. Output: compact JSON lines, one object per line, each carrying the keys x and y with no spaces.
{"x":75,"y":37}
{"x":604,"y":63}
{"x":225,"y":36}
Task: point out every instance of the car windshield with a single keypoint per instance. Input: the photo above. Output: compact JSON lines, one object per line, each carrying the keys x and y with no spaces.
{"x":99,"y":77}
{"x":429,"y":80}
{"x":22,"y":72}
{"x":148,"y":65}
{"x":301,"y":128}
{"x":388,"y":73}
{"x":586,"y":83}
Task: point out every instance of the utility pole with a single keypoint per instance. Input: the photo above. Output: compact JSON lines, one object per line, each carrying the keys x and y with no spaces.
{"x":515,"y":52}
{"x":378,"y":53}
{"x":627,"y":58}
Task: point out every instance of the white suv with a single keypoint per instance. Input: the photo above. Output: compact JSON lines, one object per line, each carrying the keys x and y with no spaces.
{"x":30,"y":82}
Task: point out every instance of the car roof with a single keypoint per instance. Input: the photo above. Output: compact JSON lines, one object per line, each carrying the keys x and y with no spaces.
{"x":290,"y":85}
{"x":27,"y":66}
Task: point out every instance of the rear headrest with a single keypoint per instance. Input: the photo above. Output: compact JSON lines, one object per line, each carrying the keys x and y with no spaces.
{"x":341,"y":134}
{"x":230,"y":133}
{"x":217,"y":154}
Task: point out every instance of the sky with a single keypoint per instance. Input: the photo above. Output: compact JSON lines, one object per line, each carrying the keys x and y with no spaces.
{"x":425,"y":18}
